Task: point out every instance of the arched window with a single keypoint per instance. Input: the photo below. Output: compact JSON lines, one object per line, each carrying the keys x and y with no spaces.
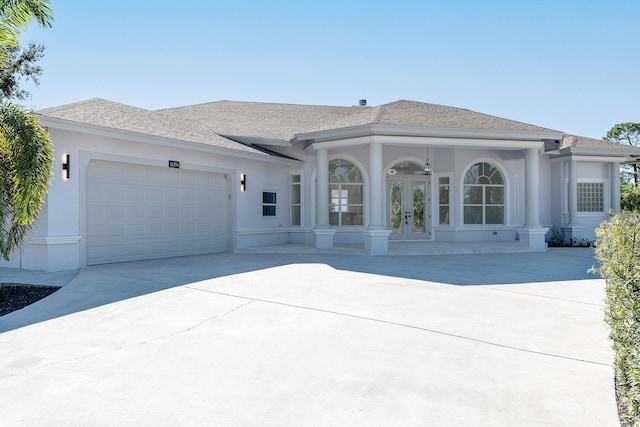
{"x":346,"y":189}
{"x":483,"y":195}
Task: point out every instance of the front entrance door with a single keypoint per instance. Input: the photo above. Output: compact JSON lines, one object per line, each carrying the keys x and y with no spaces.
{"x":408,"y":201}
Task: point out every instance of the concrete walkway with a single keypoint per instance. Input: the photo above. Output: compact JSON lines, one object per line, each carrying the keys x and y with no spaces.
{"x":255,"y":339}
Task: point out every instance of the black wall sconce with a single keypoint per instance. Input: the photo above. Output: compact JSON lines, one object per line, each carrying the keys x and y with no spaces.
{"x":65,"y":166}
{"x":243,"y":182}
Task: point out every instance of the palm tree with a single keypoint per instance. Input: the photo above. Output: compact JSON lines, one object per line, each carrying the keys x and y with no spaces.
{"x":26,"y":154}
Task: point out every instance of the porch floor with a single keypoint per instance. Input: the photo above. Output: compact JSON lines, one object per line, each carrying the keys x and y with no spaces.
{"x":399,"y":248}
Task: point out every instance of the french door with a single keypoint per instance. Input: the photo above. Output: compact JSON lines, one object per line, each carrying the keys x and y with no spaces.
{"x":409,"y":211}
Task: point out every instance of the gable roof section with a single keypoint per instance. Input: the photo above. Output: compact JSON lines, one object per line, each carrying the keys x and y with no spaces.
{"x":262,"y":120}
{"x":582,"y":144}
{"x":107,"y":114}
{"x":412,"y":113}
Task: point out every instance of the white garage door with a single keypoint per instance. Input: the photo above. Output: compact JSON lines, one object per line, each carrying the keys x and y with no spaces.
{"x":139,"y":212}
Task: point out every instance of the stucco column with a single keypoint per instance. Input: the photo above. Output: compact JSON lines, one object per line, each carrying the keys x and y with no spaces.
{"x":572,"y":196}
{"x":375,"y":186}
{"x":532,"y":188}
{"x":532,"y":235}
{"x":323,"y":233}
{"x":615,"y":187}
{"x":376,"y":237}
{"x":322,"y":188}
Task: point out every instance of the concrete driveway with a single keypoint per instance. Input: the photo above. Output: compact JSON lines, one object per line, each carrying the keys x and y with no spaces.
{"x":310,"y":340}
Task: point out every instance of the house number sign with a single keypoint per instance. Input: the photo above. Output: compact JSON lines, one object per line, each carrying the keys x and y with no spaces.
{"x":174,"y":164}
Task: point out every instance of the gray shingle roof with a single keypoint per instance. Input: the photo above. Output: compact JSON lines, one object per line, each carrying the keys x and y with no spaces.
{"x":210,"y":123}
{"x":109,"y":114}
{"x":261,"y":120}
{"x":584,"y":142}
{"x":412,"y":113}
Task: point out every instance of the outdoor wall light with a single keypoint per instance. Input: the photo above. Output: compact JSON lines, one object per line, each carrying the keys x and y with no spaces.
{"x":243,"y":182}
{"x":65,"y":166}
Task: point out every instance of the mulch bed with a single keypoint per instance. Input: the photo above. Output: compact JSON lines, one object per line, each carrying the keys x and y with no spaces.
{"x":14,"y":296}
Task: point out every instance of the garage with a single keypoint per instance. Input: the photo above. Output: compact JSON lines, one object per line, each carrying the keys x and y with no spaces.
{"x":136,"y":212}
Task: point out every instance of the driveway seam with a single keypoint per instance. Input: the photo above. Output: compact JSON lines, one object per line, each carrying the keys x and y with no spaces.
{"x":405,"y":325}
{"x":111,"y":350}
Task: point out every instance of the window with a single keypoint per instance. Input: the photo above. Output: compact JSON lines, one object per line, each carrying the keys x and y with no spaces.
{"x":346,"y":189}
{"x":590,"y":196}
{"x":483,"y":195}
{"x":443,"y":200}
{"x":268,"y":203}
{"x":296,"y":204}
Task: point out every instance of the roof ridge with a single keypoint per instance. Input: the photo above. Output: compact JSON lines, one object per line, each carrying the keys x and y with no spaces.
{"x":287,"y":104}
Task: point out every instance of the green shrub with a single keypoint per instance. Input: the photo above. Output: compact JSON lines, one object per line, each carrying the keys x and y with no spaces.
{"x":618,"y":252}
{"x":629,"y":197}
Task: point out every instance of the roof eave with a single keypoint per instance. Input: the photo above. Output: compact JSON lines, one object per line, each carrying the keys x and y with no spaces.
{"x":624,"y":155}
{"x":423,"y":131}
{"x":122,"y":134}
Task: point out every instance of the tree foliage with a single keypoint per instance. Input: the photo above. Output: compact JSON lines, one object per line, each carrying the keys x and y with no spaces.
{"x":16,"y":15}
{"x":627,"y":133}
{"x":26,"y":154}
{"x":26,"y":157}
{"x":20,"y":65}
{"x":629,"y":197}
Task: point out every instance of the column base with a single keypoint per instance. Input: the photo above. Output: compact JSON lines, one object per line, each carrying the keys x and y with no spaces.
{"x":572,"y":234}
{"x":376,"y":242}
{"x":533,"y":238}
{"x":324,"y":238}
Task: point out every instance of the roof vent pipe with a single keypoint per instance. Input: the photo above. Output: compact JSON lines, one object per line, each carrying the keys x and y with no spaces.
{"x":363,"y":103}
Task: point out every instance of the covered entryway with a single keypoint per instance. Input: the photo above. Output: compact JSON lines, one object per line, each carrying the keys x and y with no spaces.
{"x":408,"y":202}
{"x":136,"y":212}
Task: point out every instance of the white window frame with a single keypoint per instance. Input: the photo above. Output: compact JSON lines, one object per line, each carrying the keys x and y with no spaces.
{"x":299,"y":205}
{"x":451,"y":198}
{"x":343,"y":207}
{"x":506,"y":186}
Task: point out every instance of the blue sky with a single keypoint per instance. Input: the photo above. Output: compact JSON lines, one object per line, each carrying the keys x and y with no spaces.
{"x":563,"y":64}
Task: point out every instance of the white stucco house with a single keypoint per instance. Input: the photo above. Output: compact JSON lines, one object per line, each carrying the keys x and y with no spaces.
{"x":135,"y":184}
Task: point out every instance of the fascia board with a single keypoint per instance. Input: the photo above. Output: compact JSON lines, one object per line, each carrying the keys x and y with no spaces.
{"x":604,"y":151}
{"x":421,"y":131}
{"x":163,"y":141}
{"x":594,"y":154}
{"x":591,"y":159}
{"x":501,"y":144}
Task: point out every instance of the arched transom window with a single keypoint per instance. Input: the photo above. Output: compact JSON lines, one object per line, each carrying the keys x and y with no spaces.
{"x":346,"y":189}
{"x":483,"y":195}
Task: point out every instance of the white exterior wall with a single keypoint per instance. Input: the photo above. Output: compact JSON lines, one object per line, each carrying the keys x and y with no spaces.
{"x":56,"y":241}
{"x":594,"y":172}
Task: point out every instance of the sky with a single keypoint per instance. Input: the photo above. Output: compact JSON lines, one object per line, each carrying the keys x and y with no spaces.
{"x":567,"y":65}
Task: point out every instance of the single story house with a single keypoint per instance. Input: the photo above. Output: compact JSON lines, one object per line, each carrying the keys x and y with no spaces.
{"x":134,"y":184}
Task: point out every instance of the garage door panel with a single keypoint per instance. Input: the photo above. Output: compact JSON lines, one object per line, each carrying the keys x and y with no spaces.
{"x":139,"y":212}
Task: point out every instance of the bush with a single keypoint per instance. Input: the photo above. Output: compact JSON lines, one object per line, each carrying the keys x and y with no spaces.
{"x":618,"y":252}
{"x":629,"y":197}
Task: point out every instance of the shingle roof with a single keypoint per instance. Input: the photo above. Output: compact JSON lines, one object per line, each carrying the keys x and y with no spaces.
{"x":584,"y":142}
{"x":262,"y":120}
{"x":210,"y":123}
{"x":412,"y":113}
{"x":109,"y":114}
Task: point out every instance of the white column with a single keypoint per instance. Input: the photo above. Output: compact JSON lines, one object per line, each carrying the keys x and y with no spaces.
{"x":615,"y":187}
{"x":572,"y":197}
{"x":375,"y":186}
{"x":322,"y":188}
{"x":532,"y":188}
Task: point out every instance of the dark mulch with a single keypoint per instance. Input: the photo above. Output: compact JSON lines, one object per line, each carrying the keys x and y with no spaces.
{"x":14,"y":296}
